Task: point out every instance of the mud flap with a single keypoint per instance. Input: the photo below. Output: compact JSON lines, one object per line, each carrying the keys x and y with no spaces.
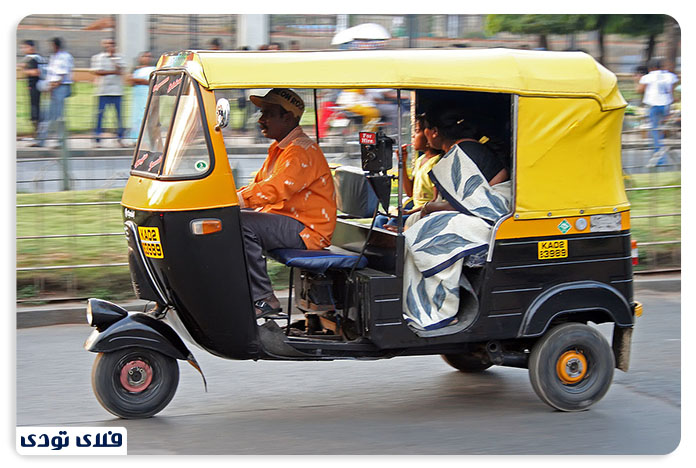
{"x":621,"y":344}
{"x":192,"y":360}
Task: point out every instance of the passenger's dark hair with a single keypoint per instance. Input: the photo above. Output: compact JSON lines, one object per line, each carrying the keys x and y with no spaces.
{"x":455,"y":124}
{"x":452,"y":123}
{"x":58,"y":42}
{"x":422,"y":120}
{"x":30,"y":43}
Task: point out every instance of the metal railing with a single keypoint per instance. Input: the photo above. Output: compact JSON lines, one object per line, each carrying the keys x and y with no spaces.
{"x":656,"y":254}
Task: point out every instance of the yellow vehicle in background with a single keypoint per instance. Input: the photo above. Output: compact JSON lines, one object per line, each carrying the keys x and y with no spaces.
{"x":559,"y":259}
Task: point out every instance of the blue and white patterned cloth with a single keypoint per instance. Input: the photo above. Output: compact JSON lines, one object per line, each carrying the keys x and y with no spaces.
{"x":438,"y":245}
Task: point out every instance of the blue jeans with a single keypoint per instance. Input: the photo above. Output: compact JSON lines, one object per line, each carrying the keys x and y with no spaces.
{"x":382,"y":221}
{"x":657,"y":114}
{"x":103,"y":102}
{"x":55,"y":111}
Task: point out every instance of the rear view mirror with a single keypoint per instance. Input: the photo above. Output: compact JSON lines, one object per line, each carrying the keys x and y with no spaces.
{"x":222,"y":112}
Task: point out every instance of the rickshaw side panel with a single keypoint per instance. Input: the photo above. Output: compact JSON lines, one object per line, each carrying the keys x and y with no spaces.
{"x":205,"y":279}
{"x":515,"y":298}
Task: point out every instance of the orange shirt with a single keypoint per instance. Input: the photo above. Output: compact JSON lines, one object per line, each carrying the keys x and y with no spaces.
{"x":295,"y":180}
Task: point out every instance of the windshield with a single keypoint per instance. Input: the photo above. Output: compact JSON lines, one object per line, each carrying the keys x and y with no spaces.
{"x":173,"y":124}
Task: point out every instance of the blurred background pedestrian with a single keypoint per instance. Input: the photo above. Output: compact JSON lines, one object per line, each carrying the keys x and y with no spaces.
{"x":108,"y":66}
{"x":59,"y":83}
{"x":657,"y":87}
{"x":140,"y":79}
{"x":33,"y":66}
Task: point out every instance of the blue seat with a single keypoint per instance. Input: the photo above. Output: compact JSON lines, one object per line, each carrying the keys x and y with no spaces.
{"x":318,"y":261}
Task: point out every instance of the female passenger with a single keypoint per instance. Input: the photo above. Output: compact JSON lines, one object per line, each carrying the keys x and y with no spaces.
{"x":446,"y":129}
{"x":420,"y":188}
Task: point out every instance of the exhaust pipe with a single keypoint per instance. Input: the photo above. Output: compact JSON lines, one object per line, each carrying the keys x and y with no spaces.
{"x":508,"y":359}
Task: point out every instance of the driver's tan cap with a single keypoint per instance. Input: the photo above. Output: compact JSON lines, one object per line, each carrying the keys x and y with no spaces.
{"x":285,"y":98}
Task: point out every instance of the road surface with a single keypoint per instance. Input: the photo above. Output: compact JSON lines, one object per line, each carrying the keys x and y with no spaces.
{"x":409,"y":405}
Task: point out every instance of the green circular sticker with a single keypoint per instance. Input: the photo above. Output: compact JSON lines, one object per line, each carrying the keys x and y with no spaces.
{"x":201,"y":165}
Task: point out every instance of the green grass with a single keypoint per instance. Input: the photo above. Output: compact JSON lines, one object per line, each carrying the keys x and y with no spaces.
{"x":67,"y":220}
{"x":668,"y":228}
{"x":103,"y":282}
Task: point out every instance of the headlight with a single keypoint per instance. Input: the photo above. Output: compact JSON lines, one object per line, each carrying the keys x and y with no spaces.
{"x":90,"y":318}
{"x":101,"y":314}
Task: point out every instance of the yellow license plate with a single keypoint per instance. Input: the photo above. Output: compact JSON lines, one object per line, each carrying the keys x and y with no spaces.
{"x":150,"y":240}
{"x":553,"y":249}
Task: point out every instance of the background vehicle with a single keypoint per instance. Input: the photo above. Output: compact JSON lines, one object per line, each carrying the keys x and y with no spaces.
{"x":560,"y":259}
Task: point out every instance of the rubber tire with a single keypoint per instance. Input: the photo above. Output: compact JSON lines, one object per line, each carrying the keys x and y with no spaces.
{"x":128,"y":405}
{"x":600,"y":367}
{"x":466,"y":362}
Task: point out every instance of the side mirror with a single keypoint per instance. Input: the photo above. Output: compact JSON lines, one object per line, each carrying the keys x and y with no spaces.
{"x":222,"y":112}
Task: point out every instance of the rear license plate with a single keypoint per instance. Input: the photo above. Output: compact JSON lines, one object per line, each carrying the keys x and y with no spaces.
{"x":553,"y":249}
{"x":150,"y":240}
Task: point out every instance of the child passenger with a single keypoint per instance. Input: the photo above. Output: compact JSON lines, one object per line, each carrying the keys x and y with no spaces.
{"x":420,"y":188}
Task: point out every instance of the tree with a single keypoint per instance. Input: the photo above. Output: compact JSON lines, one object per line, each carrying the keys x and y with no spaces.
{"x":600,"y":26}
{"x":650,"y":26}
{"x":542,"y":25}
{"x":673,"y":40}
{"x":637,"y":26}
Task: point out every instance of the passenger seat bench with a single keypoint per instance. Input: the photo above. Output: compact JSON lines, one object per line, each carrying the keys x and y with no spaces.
{"x":315,"y":261}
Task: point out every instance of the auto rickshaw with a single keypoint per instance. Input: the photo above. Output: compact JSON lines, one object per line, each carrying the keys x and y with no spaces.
{"x":557,"y":261}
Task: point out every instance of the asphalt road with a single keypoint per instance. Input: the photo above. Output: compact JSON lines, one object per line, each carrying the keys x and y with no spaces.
{"x":410,"y":405}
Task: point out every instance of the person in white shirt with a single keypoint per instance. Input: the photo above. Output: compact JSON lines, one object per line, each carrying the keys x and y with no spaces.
{"x":108,"y":67}
{"x":59,"y":79}
{"x":657,"y":87}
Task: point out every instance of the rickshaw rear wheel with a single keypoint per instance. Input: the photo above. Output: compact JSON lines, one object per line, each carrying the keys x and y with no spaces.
{"x":467,"y":362}
{"x":134,"y":382}
{"x":571,"y":367}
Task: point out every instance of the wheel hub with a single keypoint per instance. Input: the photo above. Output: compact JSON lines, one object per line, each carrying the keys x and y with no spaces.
{"x":136,"y":376}
{"x":571,"y":367}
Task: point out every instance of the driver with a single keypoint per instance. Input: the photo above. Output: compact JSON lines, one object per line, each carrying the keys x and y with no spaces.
{"x":291,"y":202}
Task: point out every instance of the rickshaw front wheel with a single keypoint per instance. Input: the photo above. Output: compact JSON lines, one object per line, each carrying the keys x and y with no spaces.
{"x":467,"y":362}
{"x":571,"y":367}
{"x":134,"y":382}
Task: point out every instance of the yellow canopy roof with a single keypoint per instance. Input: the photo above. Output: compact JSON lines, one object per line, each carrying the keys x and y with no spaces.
{"x":524,"y":72}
